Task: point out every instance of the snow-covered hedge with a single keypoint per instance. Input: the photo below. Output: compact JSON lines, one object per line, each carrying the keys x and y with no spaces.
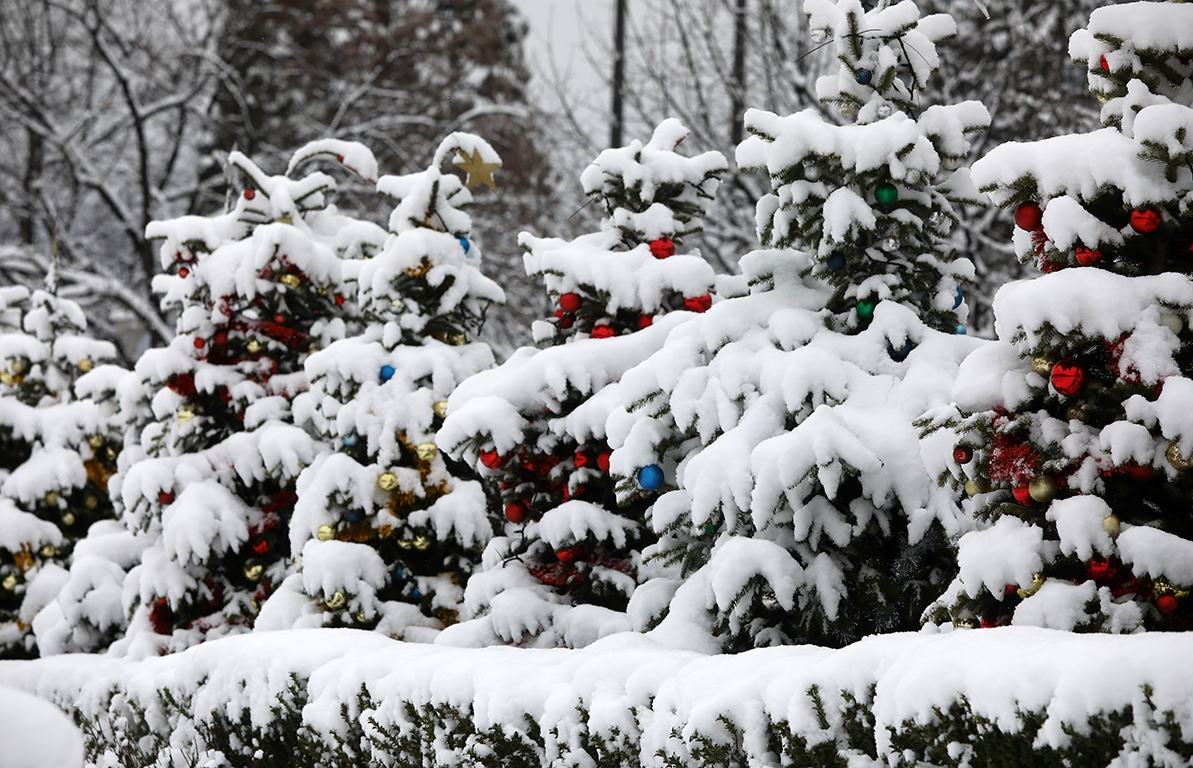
{"x":1011,"y":696}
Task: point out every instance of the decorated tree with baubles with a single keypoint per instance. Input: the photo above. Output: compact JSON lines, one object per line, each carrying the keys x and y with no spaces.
{"x":1073,"y":431}
{"x":774,"y":435}
{"x":210,"y":486}
{"x":58,"y":448}
{"x":535,"y":425}
{"x":387,"y":528}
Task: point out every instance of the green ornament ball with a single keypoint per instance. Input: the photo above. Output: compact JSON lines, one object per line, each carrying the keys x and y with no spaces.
{"x":886,"y":193}
{"x":865,"y":309}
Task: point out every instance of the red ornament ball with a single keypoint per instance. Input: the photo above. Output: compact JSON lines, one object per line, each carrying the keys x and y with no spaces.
{"x":603,"y":332}
{"x":491,"y":459}
{"x":515,"y":512}
{"x":1167,"y":603}
{"x":571,"y":555}
{"x":1103,"y":63}
{"x":1087,"y":256}
{"x":698,"y":303}
{"x":220,"y":338}
{"x":962,"y":454}
{"x":1022,"y":495}
{"x":1145,"y":220}
{"x":1068,"y":377}
{"x":261,"y":546}
{"x":339,"y":300}
{"x":603,"y":460}
{"x":249,"y":194}
{"x":583,"y":459}
{"x":200,"y":343}
{"x":662,"y":248}
{"x":569,"y":302}
{"x":165,"y":498}
{"x":1141,"y":474}
{"x":1029,"y":216}
{"x":1099,"y":567}
{"x":279,"y":319}
{"x":183,"y":271}
{"x":645,"y":321}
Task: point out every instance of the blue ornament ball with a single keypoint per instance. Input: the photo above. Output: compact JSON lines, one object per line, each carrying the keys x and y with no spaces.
{"x":960,"y":298}
{"x":387,"y":373}
{"x":836,"y":261}
{"x":864,"y":76}
{"x":467,"y":246}
{"x":650,"y":477}
{"x":899,"y":355}
{"x":355,"y":516}
{"x":959,"y":330}
{"x":351,"y":439}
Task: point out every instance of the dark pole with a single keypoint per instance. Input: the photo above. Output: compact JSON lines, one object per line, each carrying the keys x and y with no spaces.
{"x":618,"y":74}
{"x":739,"y":72}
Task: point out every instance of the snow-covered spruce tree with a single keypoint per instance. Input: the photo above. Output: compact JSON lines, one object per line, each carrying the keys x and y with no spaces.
{"x":387,"y":526}
{"x":209,"y":487}
{"x":568,"y":562}
{"x":794,"y":506}
{"x":58,"y":448}
{"x":1075,"y":431}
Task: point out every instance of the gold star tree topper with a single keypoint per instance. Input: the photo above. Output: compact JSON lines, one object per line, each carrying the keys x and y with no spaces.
{"x":479,"y":172}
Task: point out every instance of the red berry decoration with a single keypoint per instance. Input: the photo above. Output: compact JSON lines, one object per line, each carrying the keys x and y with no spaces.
{"x":515,"y":512}
{"x":603,"y":332}
{"x":1029,"y":216}
{"x":603,"y":460}
{"x":662,"y":248}
{"x":183,"y":271}
{"x":1145,"y":220}
{"x":962,"y":454}
{"x":1022,"y":495}
{"x":1068,"y":377}
{"x":1167,"y":603}
{"x":491,"y":459}
{"x":1087,"y":256}
{"x":249,"y":194}
{"x":569,"y":302}
{"x":698,"y":303}
{"x":645,"y":321}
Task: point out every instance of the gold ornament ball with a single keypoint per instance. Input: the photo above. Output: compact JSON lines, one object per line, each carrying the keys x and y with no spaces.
{"x":1037,"y":581}
{"x":426,"y":451}
{"x":68,"y":519}
{"x":337,"y":601}
{"x":49,"y":550}
{"x":1112,"y":525}
{"x":964,"y":622}
{"x":95,"y":440}
{"x":326,"y":532}
{"x":185,"y":414}
{"x":1173,"y":454}
{"x":10,"y":582}
{"x":974,"y":487}
{"x":458,"y":339}
{"x":52,"y":499}
{"x":18,"y":367}
{"x":1043,"y":489}
{"x":1042,"y":364}
{"x":91,"y":502}
{"x":1075,"y":412}
{"x":290,"y":280}
{"x":85,"y":365}
{"x":283,"y":219}
{"x":388,"y":481}
{"x":254,"y":569}
{"x":440,"y":408}
{"x":254,"y":346}
{"x":361,"y":617}
{"x":6,"y":378}
{"x":421,"y":543}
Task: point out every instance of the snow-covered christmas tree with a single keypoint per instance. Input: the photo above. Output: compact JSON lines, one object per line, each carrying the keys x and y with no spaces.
{"x":58,"y":448}
{"x":206,"y":485}
{"x":794,"y":506}
{"x":387,"y":528}
{"x":535,"y":425}
{"x":1074,"y":428}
